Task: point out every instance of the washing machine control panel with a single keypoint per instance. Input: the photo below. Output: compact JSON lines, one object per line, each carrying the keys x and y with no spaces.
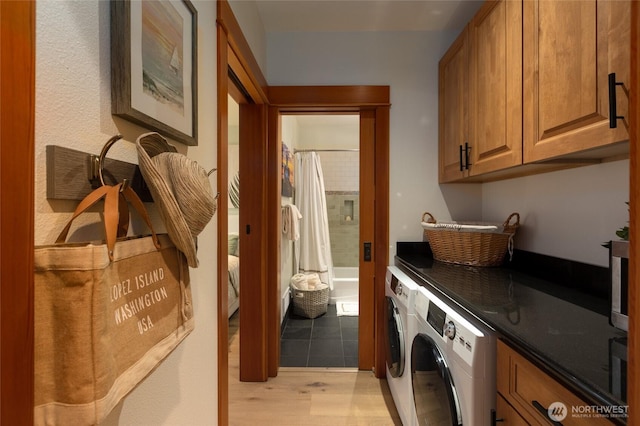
{"x":401,"y":285}
{"x":400,"y":290}
{"x":464,"y":342}
{"x":458,"y":334}
{"x":450,"y":330}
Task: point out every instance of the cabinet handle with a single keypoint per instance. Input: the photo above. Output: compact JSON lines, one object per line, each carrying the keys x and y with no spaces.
{"x":495,"y":420}
{"x":613,"y":108}
{"x":464,"y":165}
{"x":466,"y":155}
{"x":544,"y":412}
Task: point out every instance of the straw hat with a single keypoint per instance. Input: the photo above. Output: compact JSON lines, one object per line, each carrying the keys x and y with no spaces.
{"x":181,"y":190}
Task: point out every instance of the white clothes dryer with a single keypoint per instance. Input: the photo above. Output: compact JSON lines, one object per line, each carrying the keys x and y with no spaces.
{"x":400,"y":291}
{"x":453,"y":365}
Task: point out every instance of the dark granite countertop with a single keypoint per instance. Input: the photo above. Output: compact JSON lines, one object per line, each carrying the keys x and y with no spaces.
{"x":551,"y":325}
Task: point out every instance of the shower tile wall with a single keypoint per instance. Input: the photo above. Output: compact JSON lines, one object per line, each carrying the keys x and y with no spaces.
{"x":341,"y":180}
{"x":341,"y":170}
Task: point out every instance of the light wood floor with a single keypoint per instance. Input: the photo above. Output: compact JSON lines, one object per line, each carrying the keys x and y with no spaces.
{"x":308,"y":396}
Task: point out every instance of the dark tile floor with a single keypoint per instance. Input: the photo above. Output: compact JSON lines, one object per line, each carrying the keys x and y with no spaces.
{"x":326,"y":341}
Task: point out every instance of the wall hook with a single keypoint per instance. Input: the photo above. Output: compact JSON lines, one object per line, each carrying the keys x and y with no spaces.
{"x":96,"y":163}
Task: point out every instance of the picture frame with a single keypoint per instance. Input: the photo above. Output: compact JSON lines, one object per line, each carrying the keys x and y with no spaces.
{"x":154,"y":66}
{"x":287,"y":172}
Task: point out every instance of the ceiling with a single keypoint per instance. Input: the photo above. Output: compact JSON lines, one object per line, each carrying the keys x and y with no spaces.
{"x":365,"y":15}
{"x":356,"y":16}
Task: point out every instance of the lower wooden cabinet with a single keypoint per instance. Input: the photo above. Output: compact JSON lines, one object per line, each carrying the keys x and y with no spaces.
{"x":527,"y":395}
{"x":506,"y":415}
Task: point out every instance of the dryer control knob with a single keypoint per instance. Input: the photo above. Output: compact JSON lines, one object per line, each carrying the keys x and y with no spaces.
{"x":399,"y":290}
{"x":450,"y":330}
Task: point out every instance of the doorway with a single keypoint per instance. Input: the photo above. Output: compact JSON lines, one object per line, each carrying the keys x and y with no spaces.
{"x":320,"y":326}
{"x":264,"y":160}
{"x":371,"y":105}
{"x":233,"y":211}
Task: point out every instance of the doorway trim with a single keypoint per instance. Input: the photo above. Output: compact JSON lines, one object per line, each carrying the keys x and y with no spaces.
{"x":17,"y":182}
{"x":233,"y":53}
{"x":372,"y":103}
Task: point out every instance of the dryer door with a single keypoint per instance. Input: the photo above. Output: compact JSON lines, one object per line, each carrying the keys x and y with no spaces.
{"x":394,"y":338}
{"x":434,"y":393}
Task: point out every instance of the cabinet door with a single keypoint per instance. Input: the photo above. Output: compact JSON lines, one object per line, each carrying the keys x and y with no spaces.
{"x":496,"y":87}
{"x":506,"y":415}
{"x":570,"y":47}
{"x":453,"y":111}
{"x":530,"y":391}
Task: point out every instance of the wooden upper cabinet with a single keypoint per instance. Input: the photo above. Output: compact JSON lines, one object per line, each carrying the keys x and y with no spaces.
{"x":495,"y":87}
{"x":480,"y":95}
{"x":527,"y":85}
{"x":453,"y":72}
{"x":570,"y":47}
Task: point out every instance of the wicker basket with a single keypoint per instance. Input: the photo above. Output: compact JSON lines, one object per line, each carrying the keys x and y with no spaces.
{"x":470,"y":244}
{"x":310,"y":303}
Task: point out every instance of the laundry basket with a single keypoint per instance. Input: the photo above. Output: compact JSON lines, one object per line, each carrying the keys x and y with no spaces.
{"x":474,"y":244}
{"x":311,"y":302}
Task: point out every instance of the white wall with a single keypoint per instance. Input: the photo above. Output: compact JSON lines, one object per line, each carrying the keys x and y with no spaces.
{"x":328,"y":131}
{"x":565,"y":214}
{"x":73,"y":109}
{"x":246,"y":13}
{"x":408,"y":62}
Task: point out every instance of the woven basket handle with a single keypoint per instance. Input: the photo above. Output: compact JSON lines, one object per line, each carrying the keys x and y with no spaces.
{"x":431,"y":218}
{"x":511,"y":227}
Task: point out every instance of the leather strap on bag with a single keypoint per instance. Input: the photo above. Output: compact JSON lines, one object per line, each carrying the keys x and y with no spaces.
{"x":123,"y":220}
{"x":111,"y":215}
{"x":131,"y":196}
{"x":88,"y":201}
{"x":116,"y":214}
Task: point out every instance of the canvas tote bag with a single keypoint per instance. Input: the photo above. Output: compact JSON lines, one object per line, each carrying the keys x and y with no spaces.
{"x":106,"y":314}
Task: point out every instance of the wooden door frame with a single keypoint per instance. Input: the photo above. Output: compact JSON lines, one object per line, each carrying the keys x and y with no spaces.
{"x":372,"y":103}
{"x":234,"y":53}
{"x":17,"y":165}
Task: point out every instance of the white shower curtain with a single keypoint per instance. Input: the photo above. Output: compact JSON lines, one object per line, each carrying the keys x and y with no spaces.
{"x":313,"y":249}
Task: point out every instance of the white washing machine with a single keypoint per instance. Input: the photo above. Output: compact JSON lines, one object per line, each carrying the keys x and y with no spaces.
{"x":400,"y":291}
{"x":453,"y":366}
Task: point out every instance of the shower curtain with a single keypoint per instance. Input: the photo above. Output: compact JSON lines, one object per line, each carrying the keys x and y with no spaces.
{"x":313,"y":249}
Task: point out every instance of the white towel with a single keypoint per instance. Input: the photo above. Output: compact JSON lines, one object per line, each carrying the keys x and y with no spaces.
{"x":313,"y":281}
{"x":299,"y":282}
{"x":290,"y":226}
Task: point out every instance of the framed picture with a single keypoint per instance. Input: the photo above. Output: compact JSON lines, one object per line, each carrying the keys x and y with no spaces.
{"x":287,"y":172}
{"x":154,"y":66}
